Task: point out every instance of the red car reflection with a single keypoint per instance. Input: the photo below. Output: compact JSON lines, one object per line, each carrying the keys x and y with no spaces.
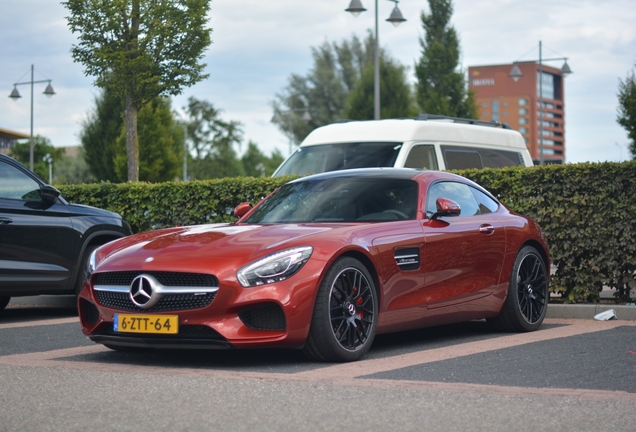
{"x":324,"y":264}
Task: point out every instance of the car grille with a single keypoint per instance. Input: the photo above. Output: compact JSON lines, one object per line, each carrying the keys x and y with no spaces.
{"x":164,"y":278}
{"x":168,"y":302}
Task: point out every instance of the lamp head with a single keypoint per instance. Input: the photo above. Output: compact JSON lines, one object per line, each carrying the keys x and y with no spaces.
{"x":396,"y":17}
{"x":15,"y":94}
{"x":515,"y":72}
{"x":565,"y":69}
{"x":355,"y":7}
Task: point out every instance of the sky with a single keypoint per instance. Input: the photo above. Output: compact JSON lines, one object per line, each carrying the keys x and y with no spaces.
{"x":258,"y":44}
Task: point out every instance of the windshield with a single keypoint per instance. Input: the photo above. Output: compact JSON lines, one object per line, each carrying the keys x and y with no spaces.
{"x":340,"y":200}
{"x":333,"y":157}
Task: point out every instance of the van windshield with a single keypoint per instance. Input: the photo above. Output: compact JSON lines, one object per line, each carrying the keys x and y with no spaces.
{"x":333,"y":157}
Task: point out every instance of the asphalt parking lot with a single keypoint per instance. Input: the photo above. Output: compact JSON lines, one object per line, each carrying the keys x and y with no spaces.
{"x":570,"y":375}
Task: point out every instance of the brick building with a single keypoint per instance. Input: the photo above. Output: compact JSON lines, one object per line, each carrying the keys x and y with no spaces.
{"x":516,"y":102}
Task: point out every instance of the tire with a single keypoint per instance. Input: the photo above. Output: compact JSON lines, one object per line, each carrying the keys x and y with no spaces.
{"x":81,"y":275}
{"x":527,"y":300}
{"x":345,"y":314}
{"x":4,"y":301}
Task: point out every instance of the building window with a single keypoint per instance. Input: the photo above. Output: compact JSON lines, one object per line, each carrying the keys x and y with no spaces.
{"x":495,"y":110}
{"x":484,"y":105}
{"x":523,"y":102}
{"x":523,"y":120}
{"x":523,"y":130}
{"x":504,"y":104}
{"x":523,"y":111}
{"x":545,"y":85}
{"x":505,"y":113}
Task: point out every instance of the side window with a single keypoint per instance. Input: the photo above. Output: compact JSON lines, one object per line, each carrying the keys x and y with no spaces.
{"x":422,"y":157}
{"x":486,"y":204}
{"x":14,"y":184}
{"x":460,"y":193}
{"x":462,"y":159}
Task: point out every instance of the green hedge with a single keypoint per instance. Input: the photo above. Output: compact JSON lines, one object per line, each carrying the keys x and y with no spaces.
{"x":588,"y":212}
{"x":148,"y":206}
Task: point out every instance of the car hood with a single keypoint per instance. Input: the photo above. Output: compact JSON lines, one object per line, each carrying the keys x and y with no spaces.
{"x":213,"y":246}
{"x":85,"y":210}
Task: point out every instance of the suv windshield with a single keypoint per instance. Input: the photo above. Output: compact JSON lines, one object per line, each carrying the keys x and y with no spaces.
{"x":333,"y":157}
{"x":340,"y":200}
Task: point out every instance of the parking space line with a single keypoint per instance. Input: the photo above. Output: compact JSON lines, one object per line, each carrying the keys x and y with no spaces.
{"x":356,"y":374}
{"x":40,"y":322}
{"x":373,"y":366}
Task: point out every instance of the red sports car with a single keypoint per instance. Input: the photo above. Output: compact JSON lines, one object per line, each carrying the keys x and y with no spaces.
{"x":324,"y":263}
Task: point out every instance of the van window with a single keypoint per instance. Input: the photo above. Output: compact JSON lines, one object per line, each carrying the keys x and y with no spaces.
{"x":334,"y":157}
{"x":460,"y":157}
{"x":422,"y":157}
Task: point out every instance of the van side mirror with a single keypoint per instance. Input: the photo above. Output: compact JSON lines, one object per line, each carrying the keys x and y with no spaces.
{"x":446,"y":207}
{"x":242,"y":209}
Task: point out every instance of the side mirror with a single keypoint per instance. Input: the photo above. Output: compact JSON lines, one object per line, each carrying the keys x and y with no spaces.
{"x":446,"y":207}
{"x":49,"y":194}
{"x":242,"y":209}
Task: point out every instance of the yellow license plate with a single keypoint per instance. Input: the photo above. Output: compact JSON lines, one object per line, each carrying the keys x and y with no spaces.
{"x":162,"y":324}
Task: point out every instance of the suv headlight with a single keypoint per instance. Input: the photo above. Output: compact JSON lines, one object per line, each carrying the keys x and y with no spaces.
{"x":275,"y":267}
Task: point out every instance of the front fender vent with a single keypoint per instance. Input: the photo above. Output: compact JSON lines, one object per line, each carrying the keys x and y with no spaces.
{"x":408,"y":258}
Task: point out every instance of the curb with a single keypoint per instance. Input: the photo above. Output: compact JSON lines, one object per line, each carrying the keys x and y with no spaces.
{"x":562,"y":311}
{"x":587,"y":311}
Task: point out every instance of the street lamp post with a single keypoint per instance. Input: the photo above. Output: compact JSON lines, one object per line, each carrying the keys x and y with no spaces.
{"x":285,"y":115}
{"x":515,"y":74}
{"x":396,"y":18}
{"x":15,"y":95}
{"x":49,"y":160}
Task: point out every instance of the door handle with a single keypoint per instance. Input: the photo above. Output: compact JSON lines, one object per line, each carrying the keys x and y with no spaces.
{"x":5,"y":221}
{"x":486,"y":229}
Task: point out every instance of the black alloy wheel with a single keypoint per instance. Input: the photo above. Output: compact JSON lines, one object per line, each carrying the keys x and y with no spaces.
{"x":345,"y":315}
{"x":527,"y":301}
{"x":351,"y":308}
{"x":532,"y":288}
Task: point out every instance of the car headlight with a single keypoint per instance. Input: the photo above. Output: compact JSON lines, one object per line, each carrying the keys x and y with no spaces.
{"x":275,"y":267}
{"x":91,"y":263}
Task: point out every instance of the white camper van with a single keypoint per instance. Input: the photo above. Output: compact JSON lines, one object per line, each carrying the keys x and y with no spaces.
{"x":425,"y":142}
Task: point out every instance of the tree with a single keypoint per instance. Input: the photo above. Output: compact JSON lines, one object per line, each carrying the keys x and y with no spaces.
{"x":214,"y":141}
{"x":441,"y":85}
{"x":395,"y":93}
{"x":72,"y":170}
{"x":100,"y":132}
{"x":256,"y":164}
{"x":161,"y":144}
{"x":325,"y":89}
{"x":627,"y":109}
{"x":140,"y":49}
{"x":41,"y":147}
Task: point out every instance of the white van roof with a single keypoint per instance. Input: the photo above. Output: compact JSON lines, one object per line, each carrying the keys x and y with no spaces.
{"x":403,"y":130}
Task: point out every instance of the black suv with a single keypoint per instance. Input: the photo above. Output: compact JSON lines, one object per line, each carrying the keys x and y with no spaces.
{"x":44,"y":240}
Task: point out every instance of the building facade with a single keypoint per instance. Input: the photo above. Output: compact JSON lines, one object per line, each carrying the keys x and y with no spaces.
{"x":8,"y":139}
{"x":516,"y":102}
